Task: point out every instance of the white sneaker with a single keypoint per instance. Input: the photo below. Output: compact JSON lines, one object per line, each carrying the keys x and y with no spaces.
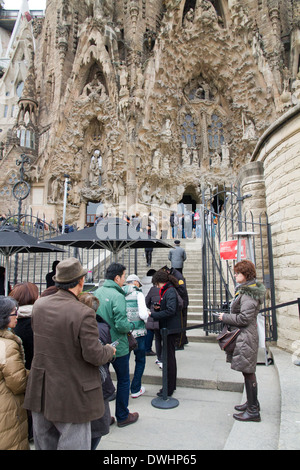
{"x":138,"y":394}
{"x":160,"y":365}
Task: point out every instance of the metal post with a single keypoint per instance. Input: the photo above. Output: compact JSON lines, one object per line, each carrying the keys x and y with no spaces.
{"x":165,"y":402}
{"x":272,"y":283}
{"x":65,"y":203}
{"x":204,"y":265}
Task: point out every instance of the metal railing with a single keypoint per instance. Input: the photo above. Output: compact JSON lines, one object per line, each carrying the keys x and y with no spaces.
{"x":165,"y":401}
{"x":223,"y":217}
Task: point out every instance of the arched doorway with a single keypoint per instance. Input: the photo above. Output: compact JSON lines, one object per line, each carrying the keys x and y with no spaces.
{"x":189,"y":200}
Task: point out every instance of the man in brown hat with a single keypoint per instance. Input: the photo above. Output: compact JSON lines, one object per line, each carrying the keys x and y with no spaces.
{"x":64,"y":389}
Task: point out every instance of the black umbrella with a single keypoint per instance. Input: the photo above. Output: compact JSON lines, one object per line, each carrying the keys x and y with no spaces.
{"x":13,"y":241}
{"x":112,"y":234}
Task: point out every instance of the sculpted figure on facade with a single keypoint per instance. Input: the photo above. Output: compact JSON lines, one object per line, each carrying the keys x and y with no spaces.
{"x":248,"y":128}
{"x":144,"y":79}
{"x":74,"y":195}
{"x":166,"y":132}
{"x":207,"y":12}
{"x":94,"y":172}
{"x":94,"y":89}
{"x":225,"y":155}
{"x":123,"y":80}
{"x":145,"y":193}
{"x":55,"y":191}
{"x":188,"y":19}
{"x":156,"y":161}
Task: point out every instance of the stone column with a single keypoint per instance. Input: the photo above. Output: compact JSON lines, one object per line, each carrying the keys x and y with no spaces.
{"x":251,"y":180}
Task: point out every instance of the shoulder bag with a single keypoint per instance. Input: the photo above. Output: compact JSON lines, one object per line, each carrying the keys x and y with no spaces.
{"x":227,"y":339}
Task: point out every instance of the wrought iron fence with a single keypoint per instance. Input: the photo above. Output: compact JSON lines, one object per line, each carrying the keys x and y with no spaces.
{"x":223,"y":221}
{"x":25,"y":267}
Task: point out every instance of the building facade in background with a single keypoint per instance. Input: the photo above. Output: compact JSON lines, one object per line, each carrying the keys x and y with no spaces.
{"x":146,"y":103}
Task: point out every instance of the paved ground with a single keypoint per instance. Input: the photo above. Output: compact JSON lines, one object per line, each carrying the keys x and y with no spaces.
{"x":207,"y":392}
{"x":203,"y":419}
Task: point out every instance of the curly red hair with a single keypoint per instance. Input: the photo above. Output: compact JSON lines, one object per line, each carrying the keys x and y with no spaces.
{"x":246,"y":268}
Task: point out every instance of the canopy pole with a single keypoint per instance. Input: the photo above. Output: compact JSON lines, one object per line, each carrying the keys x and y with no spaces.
{"x":6,"y":274}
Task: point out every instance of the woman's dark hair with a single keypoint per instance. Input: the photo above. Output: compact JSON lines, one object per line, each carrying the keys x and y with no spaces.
{"x":113,"y":270}
{"x":246,"y":268}
{"x":7,"y":305}
{"x":25,"y":293}
{"x":163,"y":277}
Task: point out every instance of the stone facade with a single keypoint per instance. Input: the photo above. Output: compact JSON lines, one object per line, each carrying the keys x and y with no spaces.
{"x":144,"y":102}
{"x":141,"y":102}
{"x":278,"y":152}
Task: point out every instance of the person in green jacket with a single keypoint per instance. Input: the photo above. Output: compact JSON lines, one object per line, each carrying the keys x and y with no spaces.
{"x":112,"y":309}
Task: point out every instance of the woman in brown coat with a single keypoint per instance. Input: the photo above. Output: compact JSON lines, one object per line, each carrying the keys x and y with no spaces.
{"x":13,"y":379}
{"x":243,"y":313}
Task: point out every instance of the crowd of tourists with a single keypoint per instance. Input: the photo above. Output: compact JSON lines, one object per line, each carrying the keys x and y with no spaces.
{"x":57,"y":350}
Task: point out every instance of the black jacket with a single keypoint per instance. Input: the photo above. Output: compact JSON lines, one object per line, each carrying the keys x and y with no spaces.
{"x":181,"y":289}
{"x":169,"y":314}
{"x":108,"y":387}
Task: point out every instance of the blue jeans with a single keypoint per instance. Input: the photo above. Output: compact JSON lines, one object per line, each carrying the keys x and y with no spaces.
{"x":148,"y":340}
{"x":121,"y":366}
{"x":140,"y":362}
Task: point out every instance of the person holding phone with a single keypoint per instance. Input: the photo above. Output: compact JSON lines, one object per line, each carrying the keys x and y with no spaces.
{"x":244,"y":309}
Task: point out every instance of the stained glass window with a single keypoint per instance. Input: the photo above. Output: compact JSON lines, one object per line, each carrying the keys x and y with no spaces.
{"x":188,"y":131}
{"x":215,"y":134}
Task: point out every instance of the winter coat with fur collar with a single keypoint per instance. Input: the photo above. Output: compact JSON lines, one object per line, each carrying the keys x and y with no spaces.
{"x":243,"y":313}
{"x":13,"y":379}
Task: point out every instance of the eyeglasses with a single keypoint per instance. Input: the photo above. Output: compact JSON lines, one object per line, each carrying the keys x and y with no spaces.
{"x":14,"y":314}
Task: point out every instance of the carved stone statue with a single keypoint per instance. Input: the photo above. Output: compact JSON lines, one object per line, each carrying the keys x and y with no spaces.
{"x":188,"y":19}
{"x":95,"y":87}
{"x":166,"y":132}
{"x":156,"y":160}
{"x":248,"y":128}
{"x":94,"y":172}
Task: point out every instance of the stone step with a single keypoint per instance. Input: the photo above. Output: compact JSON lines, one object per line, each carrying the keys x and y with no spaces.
{"x":199,"y":365}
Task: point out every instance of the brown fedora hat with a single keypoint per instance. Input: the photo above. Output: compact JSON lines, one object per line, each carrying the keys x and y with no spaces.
{"x":69,"y":270}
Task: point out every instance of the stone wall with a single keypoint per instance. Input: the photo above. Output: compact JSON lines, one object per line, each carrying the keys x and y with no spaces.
{"x":279,"y":152}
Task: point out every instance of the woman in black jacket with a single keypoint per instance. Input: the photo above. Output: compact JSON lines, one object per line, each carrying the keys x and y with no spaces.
{"x":168,"y":315}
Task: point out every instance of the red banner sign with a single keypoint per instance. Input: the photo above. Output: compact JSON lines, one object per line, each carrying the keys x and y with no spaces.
{"x":228,"y":249}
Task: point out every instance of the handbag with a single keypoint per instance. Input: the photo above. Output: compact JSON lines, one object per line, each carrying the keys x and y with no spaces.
{"x":132,"y":342}
{"x":227,"y":339}
{"x":151,"y":324}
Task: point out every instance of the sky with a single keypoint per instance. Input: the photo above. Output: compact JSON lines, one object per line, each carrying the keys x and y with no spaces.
{"x":33,"y":4}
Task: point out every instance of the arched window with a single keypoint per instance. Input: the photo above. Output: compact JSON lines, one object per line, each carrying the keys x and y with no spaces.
{"x":189,"y":131}
{"x":215,"y":134}
{"x":19,"y":89}
{"x":27,"y":138}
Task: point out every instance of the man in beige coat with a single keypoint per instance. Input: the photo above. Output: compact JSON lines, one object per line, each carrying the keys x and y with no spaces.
{"x":64,"y":390}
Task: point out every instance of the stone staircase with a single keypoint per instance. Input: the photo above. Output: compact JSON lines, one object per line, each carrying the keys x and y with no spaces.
{"x":34,"y":268}
{"x":192,"y":272}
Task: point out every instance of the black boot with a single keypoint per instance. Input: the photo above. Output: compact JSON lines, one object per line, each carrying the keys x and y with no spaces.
{"x":244,"y":406}
{"x":251,"y":412}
